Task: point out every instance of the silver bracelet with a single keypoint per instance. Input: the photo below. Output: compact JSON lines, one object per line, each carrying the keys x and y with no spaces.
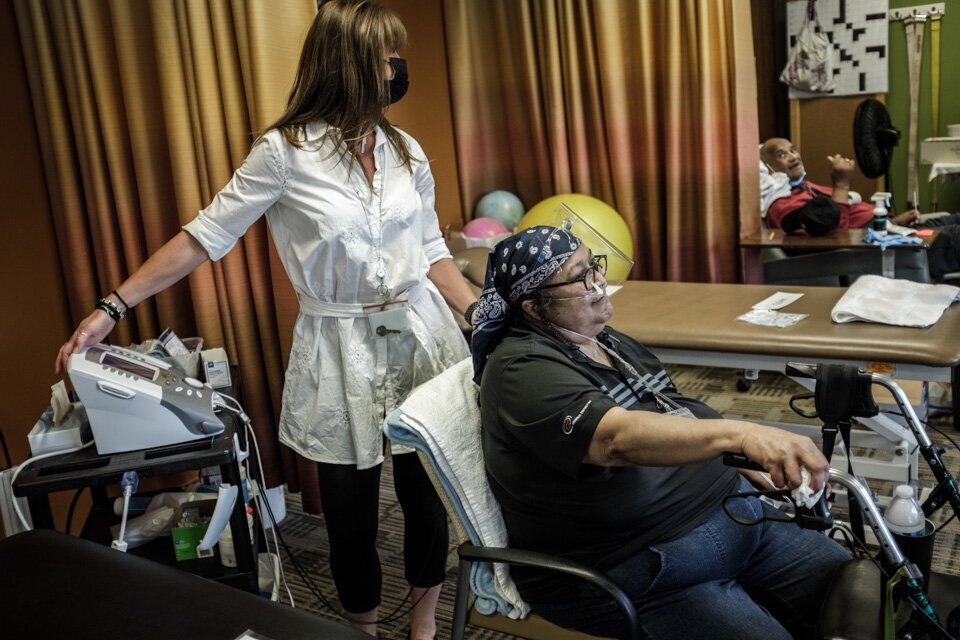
{"x":111,"y":308}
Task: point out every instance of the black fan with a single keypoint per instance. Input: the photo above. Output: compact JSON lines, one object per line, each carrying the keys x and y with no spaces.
{"x":874,"y":138}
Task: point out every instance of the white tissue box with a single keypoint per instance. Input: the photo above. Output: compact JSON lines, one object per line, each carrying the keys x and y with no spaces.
{"x":75,"y":431}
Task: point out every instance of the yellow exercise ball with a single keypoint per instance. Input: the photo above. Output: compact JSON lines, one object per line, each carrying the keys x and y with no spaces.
{"x":603,"y":218}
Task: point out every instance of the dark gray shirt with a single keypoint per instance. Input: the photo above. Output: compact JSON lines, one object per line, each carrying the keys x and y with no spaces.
{"x":540,"y":404}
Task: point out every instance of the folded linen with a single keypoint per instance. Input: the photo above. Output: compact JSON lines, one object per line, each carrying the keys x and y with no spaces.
{"x":441,"y":418}
{"x":897,"y":302}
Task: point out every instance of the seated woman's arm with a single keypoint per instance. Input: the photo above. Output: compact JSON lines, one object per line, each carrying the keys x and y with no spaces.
{"x":652,"y":439}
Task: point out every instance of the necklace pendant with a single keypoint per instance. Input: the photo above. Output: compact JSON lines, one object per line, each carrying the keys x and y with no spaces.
{"x":382,"y":290}
{"x":381,"y":273}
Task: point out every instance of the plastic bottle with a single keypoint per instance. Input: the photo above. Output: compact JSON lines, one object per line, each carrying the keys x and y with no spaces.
{"x":904,"y":516}
{"x":228,"y":556}
{"x":881,"y":200}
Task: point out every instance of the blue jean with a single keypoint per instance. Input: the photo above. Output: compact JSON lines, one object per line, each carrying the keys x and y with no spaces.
{"x":720,"y":580}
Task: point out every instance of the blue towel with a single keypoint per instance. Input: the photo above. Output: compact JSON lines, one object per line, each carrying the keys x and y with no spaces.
{"x":889,"y":239}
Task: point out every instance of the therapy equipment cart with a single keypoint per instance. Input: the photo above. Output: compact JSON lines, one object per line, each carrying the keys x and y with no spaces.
{"x":87,"y":468}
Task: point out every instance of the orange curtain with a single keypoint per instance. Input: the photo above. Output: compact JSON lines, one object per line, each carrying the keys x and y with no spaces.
{"x":632,"y":102}
{"x":144,"y":109}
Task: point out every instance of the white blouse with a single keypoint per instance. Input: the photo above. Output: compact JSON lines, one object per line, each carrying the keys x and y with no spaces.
{"x":332,"y":232}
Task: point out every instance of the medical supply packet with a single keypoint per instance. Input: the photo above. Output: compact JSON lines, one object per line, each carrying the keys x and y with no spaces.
{"x":765,"y":313}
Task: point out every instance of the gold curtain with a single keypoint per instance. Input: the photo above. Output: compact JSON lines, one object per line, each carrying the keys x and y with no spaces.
{"x":144,"y":109}
{"x":631,"y":101}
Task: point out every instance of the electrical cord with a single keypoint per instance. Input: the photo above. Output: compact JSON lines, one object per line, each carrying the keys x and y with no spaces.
{"x":259,"y":499}
{"x":71,"y":509}
{"x":23,"y":465}
{"x":398,"y":613}
{"x":128,"y":485}
{"x":257,"y":494}
{"x":6,"y":452}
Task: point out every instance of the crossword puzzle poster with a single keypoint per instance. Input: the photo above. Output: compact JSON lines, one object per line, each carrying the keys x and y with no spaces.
{"x":859,"y":33}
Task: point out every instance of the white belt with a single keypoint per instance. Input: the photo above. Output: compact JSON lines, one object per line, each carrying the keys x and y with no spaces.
{"x":321,"y":309}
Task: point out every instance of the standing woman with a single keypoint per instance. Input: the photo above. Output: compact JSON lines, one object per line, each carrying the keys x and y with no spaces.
{"x":349,"y":199}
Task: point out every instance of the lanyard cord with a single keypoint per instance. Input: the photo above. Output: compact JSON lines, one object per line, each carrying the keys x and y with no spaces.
{"x":663,"y":402}
{"x":377,"y":238}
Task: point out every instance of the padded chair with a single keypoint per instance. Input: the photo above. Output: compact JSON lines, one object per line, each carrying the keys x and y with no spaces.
{"x":441,"y":420}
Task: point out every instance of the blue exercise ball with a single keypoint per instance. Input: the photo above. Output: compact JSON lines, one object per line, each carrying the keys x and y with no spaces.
{"x":502,"y":206}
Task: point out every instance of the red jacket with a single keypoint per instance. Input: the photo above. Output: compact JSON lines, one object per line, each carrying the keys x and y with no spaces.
{"x":852,"y":216}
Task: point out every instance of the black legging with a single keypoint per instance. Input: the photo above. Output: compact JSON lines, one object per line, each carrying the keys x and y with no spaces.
{"x":351,"y":509}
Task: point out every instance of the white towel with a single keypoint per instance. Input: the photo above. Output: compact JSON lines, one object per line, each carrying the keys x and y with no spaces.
{"x":445,"y":415}
{"x":897,"y":302}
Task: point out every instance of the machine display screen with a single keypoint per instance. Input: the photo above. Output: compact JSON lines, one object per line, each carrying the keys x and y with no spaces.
{"x":137,"y":369}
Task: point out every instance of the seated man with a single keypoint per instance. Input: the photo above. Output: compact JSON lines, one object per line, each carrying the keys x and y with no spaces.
{"x":817,"y":210}
{"x":595,"y":456}
{"x":811,"y":207}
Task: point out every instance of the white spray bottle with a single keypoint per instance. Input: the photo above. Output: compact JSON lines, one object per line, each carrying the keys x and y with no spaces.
{"x":881,"y":201}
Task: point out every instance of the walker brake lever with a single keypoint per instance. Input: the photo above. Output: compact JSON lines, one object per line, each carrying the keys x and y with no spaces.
{"x":740,"y":461}
{"x":817,"y":518}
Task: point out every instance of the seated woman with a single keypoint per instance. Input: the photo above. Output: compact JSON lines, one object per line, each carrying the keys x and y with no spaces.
{"x":594,"y":456}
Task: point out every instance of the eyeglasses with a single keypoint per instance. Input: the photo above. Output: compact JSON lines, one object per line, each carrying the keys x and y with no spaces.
{"x":597,"y":266}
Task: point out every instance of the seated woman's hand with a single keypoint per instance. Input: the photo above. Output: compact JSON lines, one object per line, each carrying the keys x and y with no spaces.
{"x":782,"y":454}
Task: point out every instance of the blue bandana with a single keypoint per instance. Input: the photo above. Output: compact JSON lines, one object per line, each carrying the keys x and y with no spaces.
{"x":796,"y":182}
{"x":515,"y":270}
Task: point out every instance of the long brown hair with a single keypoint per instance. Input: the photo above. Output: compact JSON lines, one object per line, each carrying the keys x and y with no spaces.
{"x":340,"y":78}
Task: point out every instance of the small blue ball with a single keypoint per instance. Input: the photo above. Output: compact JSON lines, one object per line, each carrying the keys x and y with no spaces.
{"x":502,"y":206}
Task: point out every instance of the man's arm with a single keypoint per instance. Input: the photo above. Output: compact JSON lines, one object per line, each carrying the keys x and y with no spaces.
{"x":644,"y":438}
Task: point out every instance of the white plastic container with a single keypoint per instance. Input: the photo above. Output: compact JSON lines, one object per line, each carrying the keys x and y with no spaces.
{"x":904,"y":515}
{"x":881,"y":200}
{"x":228,"y":556}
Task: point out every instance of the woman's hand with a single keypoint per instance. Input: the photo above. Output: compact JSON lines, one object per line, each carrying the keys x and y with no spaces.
{"x":92,"y":330}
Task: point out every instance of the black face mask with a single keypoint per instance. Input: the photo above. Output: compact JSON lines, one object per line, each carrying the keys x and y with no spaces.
{"x":400,"y":82}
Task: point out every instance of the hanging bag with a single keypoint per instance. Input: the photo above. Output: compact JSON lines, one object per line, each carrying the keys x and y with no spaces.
{"x":810,"y":66}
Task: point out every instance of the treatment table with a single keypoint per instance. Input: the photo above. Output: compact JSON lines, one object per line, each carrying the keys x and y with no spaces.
{"x":695,"y":324}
